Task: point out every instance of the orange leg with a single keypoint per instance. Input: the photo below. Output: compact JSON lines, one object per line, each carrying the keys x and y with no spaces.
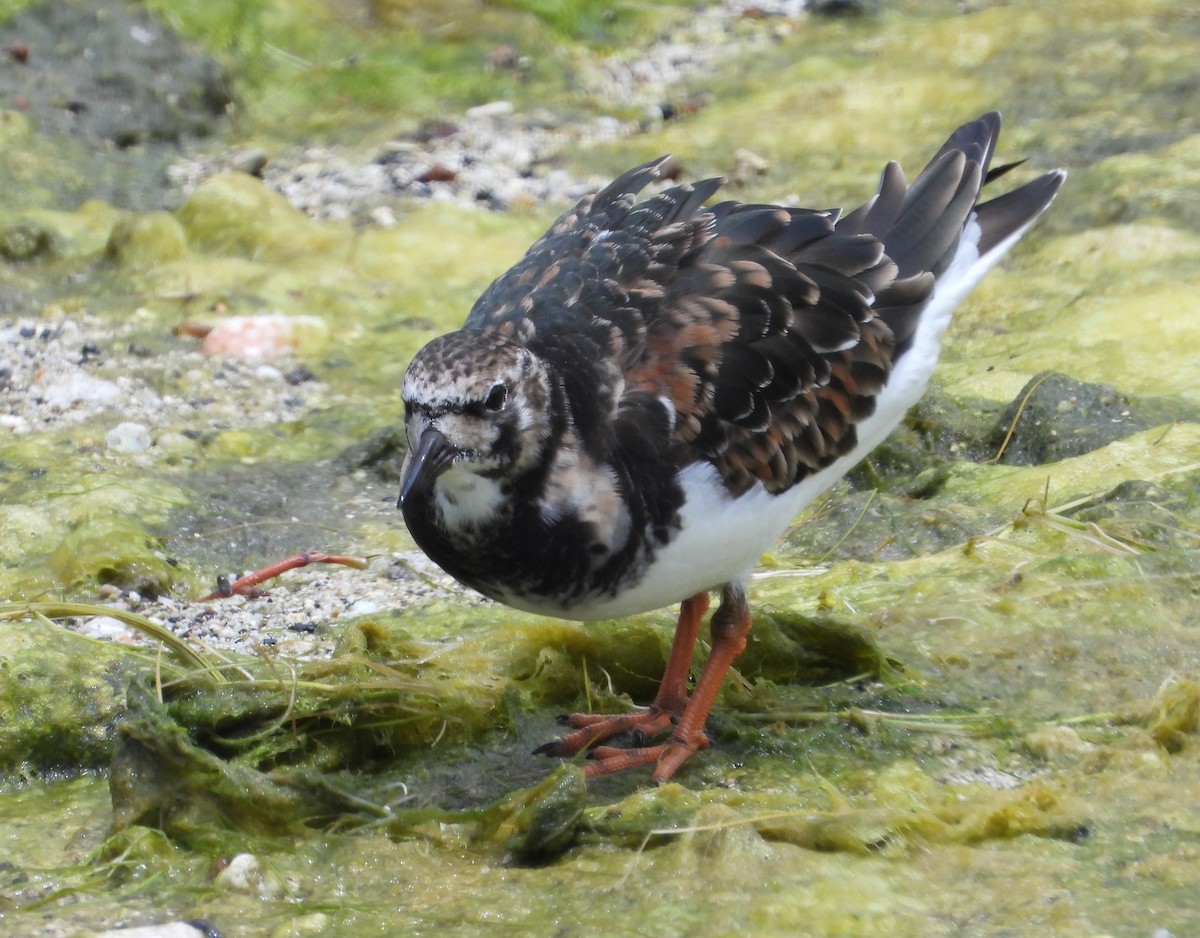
{"x":730,"y":628}
{"x":668,"y":705}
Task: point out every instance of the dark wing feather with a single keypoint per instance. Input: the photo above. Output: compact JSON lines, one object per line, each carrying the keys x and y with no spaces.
{"x":803,"y":357}
{"x":769,"y":330}
{"x":775,"y":336}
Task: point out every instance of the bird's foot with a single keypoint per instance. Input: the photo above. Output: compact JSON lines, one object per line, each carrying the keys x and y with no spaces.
{"x":592,"y":728}
{"x":666,"y":757}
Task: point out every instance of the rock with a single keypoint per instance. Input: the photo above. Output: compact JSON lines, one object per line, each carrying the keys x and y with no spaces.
{"x":1055,"y":743}
{"x":174,"y":443}
{"x":1056,"y":417}
{"x":127,"y":437}
{"x":232,"y":213}
{"x":844,"y":8}
{"x":163,"y":930}
{"x":383,"y":216}
{"x":246,"y":875}
{"x":14,"y":423}
{"x":315,"y":923}
{"x":108,"y":70}
{"x":746,"y":166}
{"x":252,"y":162}
{"x":106,"y":628}
{"x":145,"y":241}
{"x":265,"y":337}
{"x":491,"y":109}
{"x":64,"y":391}
{"x":380,"y":454}
{"x":26,"y":241}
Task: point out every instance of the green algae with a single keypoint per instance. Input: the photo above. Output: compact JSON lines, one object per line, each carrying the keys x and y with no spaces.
{"x":61,"y":696}
{"x":319,"y":71}
{"x":66,"y":534}
{"x":1002,"y":738}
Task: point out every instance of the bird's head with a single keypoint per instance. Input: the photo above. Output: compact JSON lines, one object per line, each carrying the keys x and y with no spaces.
{"x":475,"y":406}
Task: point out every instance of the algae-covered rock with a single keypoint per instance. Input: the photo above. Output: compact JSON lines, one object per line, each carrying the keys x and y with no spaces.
{"x":540,"y":823}
{"x":61,"y":697}
{"x":112,"y":550}
{"x":1175,"y":714}
{"x":27,"y":240}
{"x":380,"y":454}
{"x":1056,"y":417}
{"x":160,"y":778}
{"x":720,"y":847}
{"x":236,"y":214}
{"x":1157,"y":513}
{"x":789,"y":647}
{"x":141,"y":241}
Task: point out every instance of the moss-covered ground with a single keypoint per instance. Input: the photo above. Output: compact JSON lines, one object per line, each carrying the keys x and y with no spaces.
{"x":971,"y":701}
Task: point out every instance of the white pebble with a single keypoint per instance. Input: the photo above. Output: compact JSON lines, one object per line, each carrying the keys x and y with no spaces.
{"x":128,"y":437}
{"x":165,"y":930}
{"x":268,"y":373}
{"x":363,"y":607}
{"x":383,"y":216}
{"x":246,"y":875}
{"x":106,"y":628}
{"x":491,"y":109}
{"x":76,"y":388}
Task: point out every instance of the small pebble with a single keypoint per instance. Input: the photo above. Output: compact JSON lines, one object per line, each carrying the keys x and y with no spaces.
{"x":268,"y":373}
{"x":264,"y":337}
{"x":164,"y":930}
{"x":491,"y":109}
{"x":383,"y":216}
{"x":128,"y":437}
{"x":252,"y":161}
{"x":1052,"y":743}
{"x":106,"y":628}
{"x":68,"y":390}
{"x":246,"y":875}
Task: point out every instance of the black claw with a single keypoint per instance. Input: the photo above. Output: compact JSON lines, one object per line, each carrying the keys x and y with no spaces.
{"x":548,"y":749}
{"x":637,"y":739}
{"x":563,"y":719}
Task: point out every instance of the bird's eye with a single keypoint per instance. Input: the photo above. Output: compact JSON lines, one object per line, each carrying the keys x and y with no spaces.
{"x":497,"y":397}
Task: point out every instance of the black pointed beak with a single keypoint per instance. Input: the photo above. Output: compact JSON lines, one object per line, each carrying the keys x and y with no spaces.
{"x":433,"y":456}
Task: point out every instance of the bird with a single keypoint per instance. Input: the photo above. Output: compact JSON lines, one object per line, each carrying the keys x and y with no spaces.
{"x":635,"y":412}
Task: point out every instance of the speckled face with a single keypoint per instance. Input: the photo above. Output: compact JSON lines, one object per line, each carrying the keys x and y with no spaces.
{"x":486,"y":396}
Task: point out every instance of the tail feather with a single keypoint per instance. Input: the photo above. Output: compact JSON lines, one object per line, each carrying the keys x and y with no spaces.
{"x":1014,"y":211}
{"x":936,"y":225}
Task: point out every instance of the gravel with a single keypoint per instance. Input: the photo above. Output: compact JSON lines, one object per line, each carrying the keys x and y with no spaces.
{"x":81,"y":370}
{"x":493,"y":157}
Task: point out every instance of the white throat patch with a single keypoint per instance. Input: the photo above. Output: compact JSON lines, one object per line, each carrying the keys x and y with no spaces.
{"x":466,"y":500}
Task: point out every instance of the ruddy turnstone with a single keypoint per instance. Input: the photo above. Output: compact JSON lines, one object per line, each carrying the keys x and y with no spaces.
{"x":635,"y":412}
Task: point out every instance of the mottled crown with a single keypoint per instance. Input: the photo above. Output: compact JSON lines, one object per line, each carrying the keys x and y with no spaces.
{"x":457,"y":370}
